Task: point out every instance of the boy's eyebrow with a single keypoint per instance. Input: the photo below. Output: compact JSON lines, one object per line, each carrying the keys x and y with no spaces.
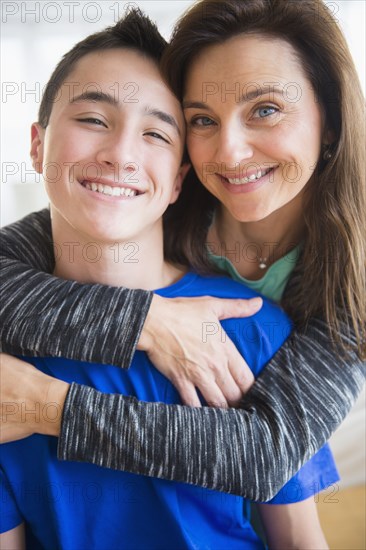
{"x":111,"y":100}
{"x":96,"y":96}
{"x":257,"y":92}
{"x":165,"y":117}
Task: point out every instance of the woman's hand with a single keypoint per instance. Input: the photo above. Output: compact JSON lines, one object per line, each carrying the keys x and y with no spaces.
{"x":31,"y":401}
{"x":184,"y":339}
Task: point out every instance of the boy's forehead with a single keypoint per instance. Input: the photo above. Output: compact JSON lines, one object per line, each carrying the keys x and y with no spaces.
{"x":126,"y":74}
{"x":117,"y":66}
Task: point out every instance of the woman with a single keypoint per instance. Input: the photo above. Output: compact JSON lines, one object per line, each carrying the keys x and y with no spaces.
{"x":309,"y":386}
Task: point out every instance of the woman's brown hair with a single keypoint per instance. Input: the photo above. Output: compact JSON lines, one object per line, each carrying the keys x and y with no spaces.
{"x":331,"y":269}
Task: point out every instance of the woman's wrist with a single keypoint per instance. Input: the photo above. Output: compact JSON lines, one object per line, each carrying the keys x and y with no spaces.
{"x":52,"y":403}
{"x":146,"y":339}
{"x":33,"y":406}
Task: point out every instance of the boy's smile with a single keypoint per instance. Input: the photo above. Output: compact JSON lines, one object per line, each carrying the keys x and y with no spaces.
{"x":112,"y":150}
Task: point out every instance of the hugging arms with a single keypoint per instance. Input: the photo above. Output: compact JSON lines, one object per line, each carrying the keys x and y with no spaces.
{"x":298,"y":401}
{"x":311,"y":383}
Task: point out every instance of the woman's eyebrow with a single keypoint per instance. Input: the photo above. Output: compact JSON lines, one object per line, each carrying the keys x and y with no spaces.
{"x":258,"y":91}
{"x":194,"y":105}
{"x":244,"y":98}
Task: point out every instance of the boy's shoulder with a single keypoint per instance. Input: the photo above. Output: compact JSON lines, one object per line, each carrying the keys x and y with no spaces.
{"x":257,"y":337}
{"x":40,"y":220}
{"x":219,"y":286}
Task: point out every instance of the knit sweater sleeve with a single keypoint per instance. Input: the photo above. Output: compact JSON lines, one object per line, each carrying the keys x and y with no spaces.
{"x":297,"y":402}
{"x":42,"y":315}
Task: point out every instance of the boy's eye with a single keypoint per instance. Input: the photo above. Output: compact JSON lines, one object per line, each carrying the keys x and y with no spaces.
{"x":92,"y":120}
{"x":156,"y":135}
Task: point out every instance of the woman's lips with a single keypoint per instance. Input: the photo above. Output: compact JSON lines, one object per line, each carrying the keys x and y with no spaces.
{"x":248,"y":183}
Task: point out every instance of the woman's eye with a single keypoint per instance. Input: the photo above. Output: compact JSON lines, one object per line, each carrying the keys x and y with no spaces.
{"x":265,"y":111}
{"x":202,"y":121}
{"x":92,"y":120}
{"x":157,"y":136}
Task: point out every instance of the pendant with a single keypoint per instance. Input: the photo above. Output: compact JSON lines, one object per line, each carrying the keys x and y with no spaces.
{"x":262,"y":263}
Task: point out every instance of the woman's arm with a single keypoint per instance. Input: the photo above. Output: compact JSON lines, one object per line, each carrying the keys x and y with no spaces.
{"x":42,"y":315}
{"x":45,"y":316}
{"x":296,"y":403}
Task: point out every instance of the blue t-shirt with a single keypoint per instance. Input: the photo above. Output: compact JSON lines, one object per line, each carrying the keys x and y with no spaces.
{"x":77,"y":506}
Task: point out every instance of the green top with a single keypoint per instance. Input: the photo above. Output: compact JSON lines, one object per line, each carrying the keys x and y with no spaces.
{"x":273,"y":282}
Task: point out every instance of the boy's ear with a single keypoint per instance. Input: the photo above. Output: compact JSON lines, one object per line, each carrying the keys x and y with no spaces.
{"x":183,"y":170}
{"x":36,"y":152}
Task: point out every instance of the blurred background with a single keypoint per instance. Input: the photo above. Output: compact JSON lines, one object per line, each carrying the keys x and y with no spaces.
{"x":34,"y":37}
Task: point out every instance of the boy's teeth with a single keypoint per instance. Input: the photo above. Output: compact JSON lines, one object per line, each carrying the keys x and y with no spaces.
{"x":110,"y":191}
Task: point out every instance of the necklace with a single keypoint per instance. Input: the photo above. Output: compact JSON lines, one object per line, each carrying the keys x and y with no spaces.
{"x":263,"y":263}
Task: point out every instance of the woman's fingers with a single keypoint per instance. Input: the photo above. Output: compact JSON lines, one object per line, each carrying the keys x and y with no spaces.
{"x":188,"y":393}
{"x":226,"y":308}
{"x":184,"y":339}
{"x":240,"y":372}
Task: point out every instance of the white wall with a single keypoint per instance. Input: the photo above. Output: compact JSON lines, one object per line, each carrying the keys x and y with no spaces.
{"x":34,"y":36}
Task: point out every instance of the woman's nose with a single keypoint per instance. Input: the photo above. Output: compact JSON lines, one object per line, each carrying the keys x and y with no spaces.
{"x":234,"y":146}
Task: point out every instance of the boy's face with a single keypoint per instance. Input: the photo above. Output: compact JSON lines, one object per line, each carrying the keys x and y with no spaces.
{"x":111,"y":154}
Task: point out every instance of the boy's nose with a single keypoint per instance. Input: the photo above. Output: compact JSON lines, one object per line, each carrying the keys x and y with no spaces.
{"x":119,"y":154}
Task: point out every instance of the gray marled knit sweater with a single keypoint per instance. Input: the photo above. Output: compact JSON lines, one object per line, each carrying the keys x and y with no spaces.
{"x":295,"y":405}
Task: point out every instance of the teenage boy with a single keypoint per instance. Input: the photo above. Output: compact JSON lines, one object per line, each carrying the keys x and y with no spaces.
{"x":111,"y":162}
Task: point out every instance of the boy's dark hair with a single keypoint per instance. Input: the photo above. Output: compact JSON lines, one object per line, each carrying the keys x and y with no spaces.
{"x":135,"y":31}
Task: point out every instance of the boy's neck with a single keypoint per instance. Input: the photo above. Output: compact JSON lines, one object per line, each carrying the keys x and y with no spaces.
{"x":136,"y":263}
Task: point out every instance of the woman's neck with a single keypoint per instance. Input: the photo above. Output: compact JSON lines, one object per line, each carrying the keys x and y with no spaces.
{"x":254,"y":246}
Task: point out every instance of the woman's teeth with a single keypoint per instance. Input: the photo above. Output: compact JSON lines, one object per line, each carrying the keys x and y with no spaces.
{"x":253,"y":177}
{"x":111,"y":191}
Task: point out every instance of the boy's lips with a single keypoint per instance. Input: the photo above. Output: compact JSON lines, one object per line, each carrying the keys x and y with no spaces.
{"x":110,"y":188}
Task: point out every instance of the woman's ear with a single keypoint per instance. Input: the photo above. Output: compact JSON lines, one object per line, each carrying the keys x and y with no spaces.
{"x":183,"y":170}
{"x":36,"y":152}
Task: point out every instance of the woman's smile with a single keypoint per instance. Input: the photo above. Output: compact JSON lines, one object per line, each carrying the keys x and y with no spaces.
{"x":248,"y":181}
{"x":255,"y":152}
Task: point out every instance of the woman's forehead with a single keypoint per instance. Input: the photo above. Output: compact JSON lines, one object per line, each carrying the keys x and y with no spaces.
{"x":247,"y":59}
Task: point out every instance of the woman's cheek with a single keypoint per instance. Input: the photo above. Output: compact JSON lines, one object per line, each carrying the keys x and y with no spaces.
{"x":198,"y":153}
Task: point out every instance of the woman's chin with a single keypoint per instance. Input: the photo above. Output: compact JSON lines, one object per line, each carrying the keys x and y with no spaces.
{"x":250,"y":215}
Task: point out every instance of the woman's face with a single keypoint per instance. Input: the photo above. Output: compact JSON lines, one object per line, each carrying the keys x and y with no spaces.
{"x":254,"y":125}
